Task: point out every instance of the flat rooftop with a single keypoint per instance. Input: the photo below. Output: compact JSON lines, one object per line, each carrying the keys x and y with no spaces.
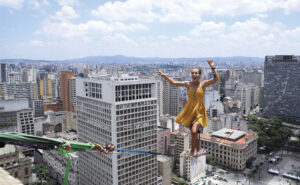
{"x":6,"y":178}
{"x":229,"y":134}
{"x":240,"y":141}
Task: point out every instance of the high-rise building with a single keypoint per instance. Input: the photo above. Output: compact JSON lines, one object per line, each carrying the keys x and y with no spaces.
{"x":25,"y":122}
{"x":38,"y":108}
{"x":2,"y":73}
{"x":171,"y":93}
{"x":48,"y":86}
{"x":14,"y":77}
{"x":72,"y":93}
{"x":255,"y":77}
{"x":164,"y":169}
{"x":65,"y":89}
{"x":25,"y":125}
{"x":163,"y":139}
{"x":120,"y":111}
{"x":281,"y":91}
{"x":182,"y":141}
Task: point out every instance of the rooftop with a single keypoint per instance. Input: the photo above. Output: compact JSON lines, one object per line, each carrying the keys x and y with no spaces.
{"x":241,"y":141}
{"x":229,"y":134}
{"x":6,"y":178}
{"x":7,"y":149}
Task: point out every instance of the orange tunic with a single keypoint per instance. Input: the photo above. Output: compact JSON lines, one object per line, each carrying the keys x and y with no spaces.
{"x":194,"y":110}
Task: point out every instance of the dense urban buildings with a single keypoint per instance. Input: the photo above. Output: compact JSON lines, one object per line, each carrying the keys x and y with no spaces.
{"x":102,"y":104}
{"x":121,"y":111}
{"x":281,"y":92}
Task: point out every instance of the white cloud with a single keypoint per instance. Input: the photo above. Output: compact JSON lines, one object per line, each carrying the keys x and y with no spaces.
{"x":117,"y":37}
{"x":132,"y":9}
{"x":66,"y":13}
{"x":189,"y":11}
{"x":292,"y":34}
{"x":68,"y":2}
{"x":208,"y":28}
{"x":291,"y":6}
{"x":69,"y":30}
{"x":262,"y":15}
{"x":34,"y":4}
{"x":181,"y":38}
{"x":16,"y":4}
{"x":253,"y":25}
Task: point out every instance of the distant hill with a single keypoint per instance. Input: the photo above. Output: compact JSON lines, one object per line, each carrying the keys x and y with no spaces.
{"x":126,"y":59}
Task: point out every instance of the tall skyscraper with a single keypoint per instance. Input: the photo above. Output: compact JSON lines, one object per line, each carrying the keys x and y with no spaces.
{"x":171,"y":93}
{"x":120,"y":111}
{"x":72,"y":93}
{"x":281,"y":91}
{"x":2,"y":72}
{"x":65,"y":89}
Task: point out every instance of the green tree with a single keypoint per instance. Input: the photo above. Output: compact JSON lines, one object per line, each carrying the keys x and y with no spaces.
{"x":42,"y":173}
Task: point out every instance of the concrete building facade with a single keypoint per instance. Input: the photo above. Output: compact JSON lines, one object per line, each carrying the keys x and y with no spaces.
{"x":230,"y":150}
{"x":65,"y":89}
{"x":121,"y":111}
{"x":20,"y":90}
{"x":25,"y":122}
{"x":163,"y":139}
{"x":281,"y":91}
{"x":171,"y":93}
{"x":16,"y":164}
{"x":164,"y":169}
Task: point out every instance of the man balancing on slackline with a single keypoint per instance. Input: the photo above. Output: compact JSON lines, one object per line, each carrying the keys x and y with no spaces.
{"x":193,"y":114}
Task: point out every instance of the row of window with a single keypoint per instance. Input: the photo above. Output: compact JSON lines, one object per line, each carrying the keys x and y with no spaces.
{"x":136,"y":104}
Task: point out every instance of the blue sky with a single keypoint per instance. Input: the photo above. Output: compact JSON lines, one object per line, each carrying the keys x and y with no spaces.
{"x":65,"y":29}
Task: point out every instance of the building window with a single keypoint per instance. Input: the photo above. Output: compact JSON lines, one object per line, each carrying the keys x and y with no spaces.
{"x":93,"y":90}
{"x":26,"y":171}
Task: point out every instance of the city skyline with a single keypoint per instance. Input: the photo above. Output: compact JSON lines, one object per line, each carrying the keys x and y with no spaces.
{"x":66,"y":29}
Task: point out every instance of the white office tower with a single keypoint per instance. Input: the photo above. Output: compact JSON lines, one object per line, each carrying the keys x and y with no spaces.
{"x":121,"y":111}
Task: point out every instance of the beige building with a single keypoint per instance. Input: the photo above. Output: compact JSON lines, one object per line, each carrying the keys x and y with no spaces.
{"x":164,"y":169}
{"x":182,"y":141}
{"x":69,"y":121}
{"x":16,"y":164}
{"x":192,"y":168}
{"x":6,"y":178}
{"x":231,"y":150}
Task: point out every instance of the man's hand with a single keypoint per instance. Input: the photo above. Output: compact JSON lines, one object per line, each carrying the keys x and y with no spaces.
{"x":211,"y":63}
